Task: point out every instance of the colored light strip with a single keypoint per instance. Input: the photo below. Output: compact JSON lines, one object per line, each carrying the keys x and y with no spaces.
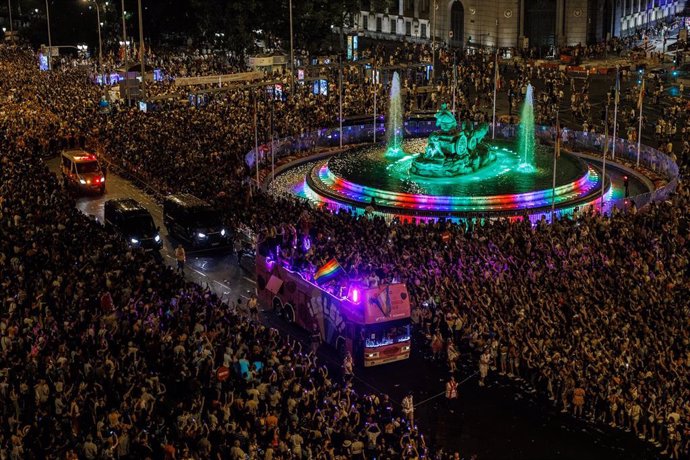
{"x":334,"y":185}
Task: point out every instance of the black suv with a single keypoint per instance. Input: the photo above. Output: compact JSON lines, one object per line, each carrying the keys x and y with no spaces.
{"x":133,"y":222}
{"x":193,"y":220}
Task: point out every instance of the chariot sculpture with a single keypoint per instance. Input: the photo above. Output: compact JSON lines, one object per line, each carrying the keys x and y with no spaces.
{"x":453,"y":151}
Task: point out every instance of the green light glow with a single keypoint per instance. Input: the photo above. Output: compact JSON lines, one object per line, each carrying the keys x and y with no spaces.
{"x":369,"y":167}
{"x":526,"y":142}
{"x":394,"y":131}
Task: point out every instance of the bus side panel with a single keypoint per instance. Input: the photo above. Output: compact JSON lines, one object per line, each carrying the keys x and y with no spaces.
{"x":311,"y":305}
{"x":263,"y":274}
{"x":303,"y":313}
{"x":326,"y":310}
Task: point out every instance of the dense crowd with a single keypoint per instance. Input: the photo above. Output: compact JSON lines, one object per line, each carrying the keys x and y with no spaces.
{"x":593,"y":313}
{"x":106,"y":354}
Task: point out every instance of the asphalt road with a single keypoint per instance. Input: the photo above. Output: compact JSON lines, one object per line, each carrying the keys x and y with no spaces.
{"x":500,"y":421}
{"x":218,"y":269}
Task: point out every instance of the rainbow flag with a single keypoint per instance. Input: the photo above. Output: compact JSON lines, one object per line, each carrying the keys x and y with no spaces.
{"x":328,"y":272}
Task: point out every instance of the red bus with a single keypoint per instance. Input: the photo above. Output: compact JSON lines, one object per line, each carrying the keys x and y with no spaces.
{"x":373,"y":324}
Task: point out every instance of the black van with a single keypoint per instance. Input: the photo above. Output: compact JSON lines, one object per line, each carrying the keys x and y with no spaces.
{"x":133,"y":222}
{"x":191,"y":219}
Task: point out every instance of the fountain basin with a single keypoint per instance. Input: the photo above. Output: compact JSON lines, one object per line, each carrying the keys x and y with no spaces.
{"x":364,"y":177}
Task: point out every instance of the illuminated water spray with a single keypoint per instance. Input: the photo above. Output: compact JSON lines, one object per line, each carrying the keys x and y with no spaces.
{"x":394,"y":131}
{"x":526,"y":141}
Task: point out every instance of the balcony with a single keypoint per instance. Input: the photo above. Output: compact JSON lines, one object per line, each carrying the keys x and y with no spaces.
{"x":391,"y":27}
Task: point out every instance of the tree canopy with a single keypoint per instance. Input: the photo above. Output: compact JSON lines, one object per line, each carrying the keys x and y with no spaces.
{"x":234,"y":25}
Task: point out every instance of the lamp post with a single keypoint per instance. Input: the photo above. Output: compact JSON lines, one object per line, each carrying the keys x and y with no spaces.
{"x":124,"y":41}
{"x":50,"y":40}
{"x":141,"y":52}
{"x":433,"y":45}
{"x":9,"y":9}
{"x":124,"y":30}
{"x":100,"y":41}
{"x":292,"y":54}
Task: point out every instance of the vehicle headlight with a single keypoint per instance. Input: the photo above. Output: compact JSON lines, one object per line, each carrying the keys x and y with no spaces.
{"x":201,"y":235}
{"x":406,"y":348}
{"x":373,"y":355}
{"x":222,"y":232}
{"x":82,"y":181}
{"x":157,"y":238}
{"x":134,"y":241}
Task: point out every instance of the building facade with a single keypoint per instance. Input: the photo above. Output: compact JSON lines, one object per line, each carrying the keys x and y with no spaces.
{"x":620,"y":18}
{"x":512,"y":23}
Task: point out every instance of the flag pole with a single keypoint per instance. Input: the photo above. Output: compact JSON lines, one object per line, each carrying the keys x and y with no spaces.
{"x":433,"y":45}
{"x":615,"y":114}
{"x":556,"y":154}
{"x":340,"y":98}
{"x":606,"y":148}
{"x":639,"y":129}
{"x":455,"y":79}
{"x":273,"y":159}
{"x":256,"y":139}
{"x":373,"y":79}
{"x":493,"y":126}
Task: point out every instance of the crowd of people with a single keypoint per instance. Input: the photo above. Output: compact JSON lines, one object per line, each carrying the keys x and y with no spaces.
{"x":110,"y":355}
{"x":107,"y":354}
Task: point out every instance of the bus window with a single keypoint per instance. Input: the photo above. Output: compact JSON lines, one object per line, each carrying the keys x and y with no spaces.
{"x":379,"y":335}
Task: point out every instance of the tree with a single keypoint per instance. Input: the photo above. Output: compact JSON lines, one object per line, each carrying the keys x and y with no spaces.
{"x":164,"y":20}
{"x":229,"y":23}
{"x":316,"y":20}
{"x":233,"y":25}
{"x":383,"y":6}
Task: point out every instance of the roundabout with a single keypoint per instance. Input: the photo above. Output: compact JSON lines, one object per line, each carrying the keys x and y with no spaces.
{"x":456,"y":172}
{"x":451,"y":170}
{"x":362,"y":177}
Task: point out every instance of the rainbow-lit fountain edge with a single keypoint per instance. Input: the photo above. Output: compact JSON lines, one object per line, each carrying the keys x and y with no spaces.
{"x":327,"y":187}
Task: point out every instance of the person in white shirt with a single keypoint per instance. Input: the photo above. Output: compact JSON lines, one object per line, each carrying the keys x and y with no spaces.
{"x":484,"y":362}
{"x":408,"y":408}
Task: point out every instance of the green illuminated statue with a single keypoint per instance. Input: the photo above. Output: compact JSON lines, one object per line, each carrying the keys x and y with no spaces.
{"x":452,"y":151}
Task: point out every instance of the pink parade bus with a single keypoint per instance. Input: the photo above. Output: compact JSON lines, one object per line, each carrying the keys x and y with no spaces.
{"x":373,"y":324}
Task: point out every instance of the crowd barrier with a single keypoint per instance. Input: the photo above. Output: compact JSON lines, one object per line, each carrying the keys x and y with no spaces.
{"x":651,"y":161}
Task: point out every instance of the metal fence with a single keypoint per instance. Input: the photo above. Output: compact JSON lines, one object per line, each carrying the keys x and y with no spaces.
{"x":650,"y":159}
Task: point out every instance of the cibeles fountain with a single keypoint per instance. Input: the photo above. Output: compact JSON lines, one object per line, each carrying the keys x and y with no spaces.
{"x":453,"y":170}
{"x":453,"y":151}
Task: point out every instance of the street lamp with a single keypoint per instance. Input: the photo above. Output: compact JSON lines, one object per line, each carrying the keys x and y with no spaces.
{"x":50,"y":40}
{"x":141,"y":51}
{"x":124,"y":41}
{"x":9,"y":8}
{"x":100,"y":42}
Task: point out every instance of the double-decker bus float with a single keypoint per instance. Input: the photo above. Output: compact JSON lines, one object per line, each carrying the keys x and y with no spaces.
{"x":372,"y":323}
